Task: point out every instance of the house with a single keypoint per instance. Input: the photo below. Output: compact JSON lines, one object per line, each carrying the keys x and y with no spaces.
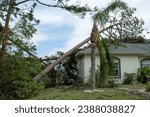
{"x":127,"y":58}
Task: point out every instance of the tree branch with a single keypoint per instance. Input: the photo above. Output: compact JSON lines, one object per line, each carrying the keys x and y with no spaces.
{"x":23,"y":2}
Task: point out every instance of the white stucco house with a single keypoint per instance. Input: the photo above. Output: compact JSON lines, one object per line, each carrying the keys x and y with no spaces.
{"x":127,"y":58}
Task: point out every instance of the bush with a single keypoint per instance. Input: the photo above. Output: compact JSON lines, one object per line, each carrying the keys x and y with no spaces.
{"x":101,"y":79}
{"x":112,"y":83}
{"x":16,"y":78}
{"x":128,"y":78}
{"x":143,"y":75}
{"x":148,"y":86}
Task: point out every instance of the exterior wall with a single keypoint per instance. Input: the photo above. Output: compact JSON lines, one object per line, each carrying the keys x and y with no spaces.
{"x":81,"y":66}
{"x":87,"y":63}
{"x":128,"y":64}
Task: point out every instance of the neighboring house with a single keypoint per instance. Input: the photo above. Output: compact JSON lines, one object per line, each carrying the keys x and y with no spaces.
{"x":127,"y":58}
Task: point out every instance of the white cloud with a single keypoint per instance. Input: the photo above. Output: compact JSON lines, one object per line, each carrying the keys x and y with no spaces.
{"x":40,"y":36}
{"x":82,"y":29}
{"x":47,"y":16}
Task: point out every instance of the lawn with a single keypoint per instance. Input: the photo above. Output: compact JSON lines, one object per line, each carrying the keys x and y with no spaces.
{"x":63,"y":93}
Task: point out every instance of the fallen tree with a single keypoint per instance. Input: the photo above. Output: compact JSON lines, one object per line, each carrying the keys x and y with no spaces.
{"x":52,"y":65}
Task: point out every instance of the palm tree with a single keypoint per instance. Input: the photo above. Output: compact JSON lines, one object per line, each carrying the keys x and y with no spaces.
{"x":101,"y":18}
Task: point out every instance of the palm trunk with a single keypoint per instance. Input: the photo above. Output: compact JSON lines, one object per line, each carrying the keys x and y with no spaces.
{"x":93,"y":54}
{"x":93,"y":80}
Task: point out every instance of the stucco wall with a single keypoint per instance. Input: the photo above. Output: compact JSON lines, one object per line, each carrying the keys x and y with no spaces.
{"x":128,"y":64}
{"x":87,"y":63}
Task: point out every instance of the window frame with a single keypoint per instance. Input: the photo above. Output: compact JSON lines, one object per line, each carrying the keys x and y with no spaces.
{"x":119,"y":68}
{"x":145,"y":59}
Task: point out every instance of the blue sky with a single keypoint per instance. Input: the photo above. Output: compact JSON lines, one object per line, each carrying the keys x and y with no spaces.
{"x":60,"y":30}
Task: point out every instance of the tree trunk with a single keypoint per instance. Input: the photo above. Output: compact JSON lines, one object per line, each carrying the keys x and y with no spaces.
{"x":93,"y":54}
{"x":51,"y":66}
{"x":5,"y":30}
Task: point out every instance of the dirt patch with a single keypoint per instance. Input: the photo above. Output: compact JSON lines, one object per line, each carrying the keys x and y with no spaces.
{"x":91,"y":91}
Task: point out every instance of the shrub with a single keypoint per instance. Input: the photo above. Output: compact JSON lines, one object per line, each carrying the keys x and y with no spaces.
{"x":143,"y":75}
{"x":112,"y":83}
{"x":148,"y":86}
{"x":101,"y":79}
{"x":16,"y":78}
{"x":128,"y":78}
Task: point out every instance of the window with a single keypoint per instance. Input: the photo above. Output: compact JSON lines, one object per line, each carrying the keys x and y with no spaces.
{"x":116,"y":71}
{"x":145,"y":62}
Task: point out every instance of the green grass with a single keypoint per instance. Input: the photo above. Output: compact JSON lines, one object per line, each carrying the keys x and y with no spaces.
{"x":61,"y":93}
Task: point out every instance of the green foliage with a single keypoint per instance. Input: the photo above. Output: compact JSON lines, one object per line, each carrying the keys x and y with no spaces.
{"x":148,"y":86}
{"x":106,"y":62}
{"x":16,"y":77}
{"x":17,"y":68}
{"x":103,"y":80}
{"x":112,"y":83}
{"x":74,"y":8}
{"x":128,"y":78}
{"x":65,"y":73}
{"x":128,"y":28}
{"x":143,"y":75}
{"x":102,"y":16}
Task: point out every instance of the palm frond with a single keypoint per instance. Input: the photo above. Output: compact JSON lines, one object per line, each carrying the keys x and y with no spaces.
{"x":108,"y":57}
{"x":103,"y":63}
{"x":102,"y":16}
